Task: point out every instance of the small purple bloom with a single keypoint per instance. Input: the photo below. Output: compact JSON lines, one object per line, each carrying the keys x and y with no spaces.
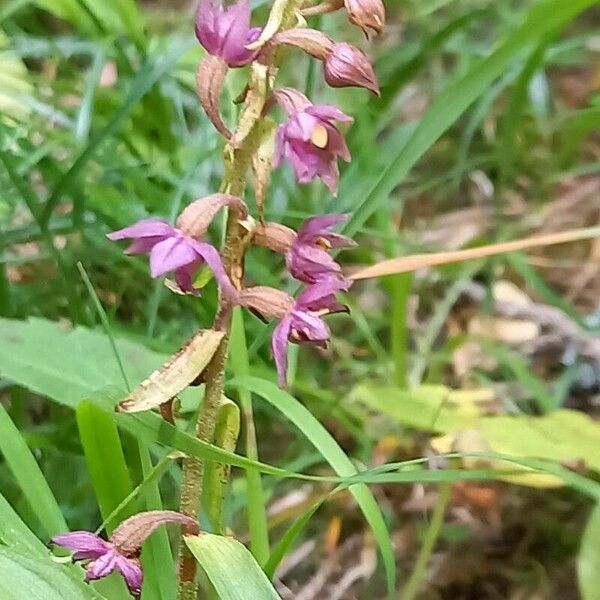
{"x":225,"y":32}
{"x":310,"y":139}
{"x":304,"y":323}
{"x":171,"y":250}
{"x":308,"y":259}
{"x":104,"y":558}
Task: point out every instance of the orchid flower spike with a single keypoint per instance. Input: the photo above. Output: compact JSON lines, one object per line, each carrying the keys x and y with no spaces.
{"x":177,"y":249}
{"x":306,"y":252}
{"x":224,"y":33}
{"x":300,"y":320}
{"x":121,"y":553}
{"x":309,"y":139}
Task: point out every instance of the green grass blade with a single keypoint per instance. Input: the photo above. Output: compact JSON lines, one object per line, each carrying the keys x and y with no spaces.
{"x":588,"y":560}
{"x":257,"y":514}
{"x":335,"y":456}
{"x":29,"y":477}
{"x":104,"y":457}
{"x":14,"y":533}
{"x":543,"y":18}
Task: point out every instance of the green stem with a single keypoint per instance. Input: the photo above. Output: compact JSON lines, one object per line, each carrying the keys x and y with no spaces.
{"x":193,"y":468}
{"x":237,"y":163}
{"x":400,"y":286}
{"x":432,"y":534}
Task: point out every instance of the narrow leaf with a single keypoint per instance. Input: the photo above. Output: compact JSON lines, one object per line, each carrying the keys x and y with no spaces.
{"x":420,"y":261}
{"x":104,"y":457}
{"x":323,"y":441}
{"x":29,"y":476}
{"x":588,"y":561}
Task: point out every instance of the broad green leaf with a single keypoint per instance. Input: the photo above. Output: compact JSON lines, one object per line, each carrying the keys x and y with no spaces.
{"x":562,"y":435}
{"x":230,"y":567}
{"x":257,"y":513}
{"x":26,"y":578}
{"x":588,"y":560}
{"x":216,"y":474}
{"x":324,"y":442}
{"x":68,"y":366}
{"x":29,"y":477}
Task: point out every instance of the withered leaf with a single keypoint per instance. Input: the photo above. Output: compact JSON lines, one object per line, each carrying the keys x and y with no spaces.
{"x":175,"y":375}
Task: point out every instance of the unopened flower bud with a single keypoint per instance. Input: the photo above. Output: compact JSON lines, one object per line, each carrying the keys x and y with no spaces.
{"x":129,"y":536}
{"x":196,"y":217}
{"x":367,"y":14}
{"x":274,"y":236}
{"x":313,"y":42}
{"x":347,"y":66}
{"x":269,"y":302}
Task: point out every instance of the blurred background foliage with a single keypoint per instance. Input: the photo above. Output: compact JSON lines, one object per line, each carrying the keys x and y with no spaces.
{"x":100,"y":127}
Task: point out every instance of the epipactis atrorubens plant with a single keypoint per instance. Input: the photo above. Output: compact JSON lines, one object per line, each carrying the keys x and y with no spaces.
{"x":309,"y":138}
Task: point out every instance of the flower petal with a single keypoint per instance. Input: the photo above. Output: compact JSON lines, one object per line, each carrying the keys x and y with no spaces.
{"x":213,"y":259}
{"x":313,"y":296}
{"x":143,"y":229}
{"x":84,"y":544}
{"x":171,"y":254}
{"x":328,"y":112}
{"x":279,"y":343}
{"x":101,"y":567}
{"x":315,"y":226}
{"x":132,"y":573}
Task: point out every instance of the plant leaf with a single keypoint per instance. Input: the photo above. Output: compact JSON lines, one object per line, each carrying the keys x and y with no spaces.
{"x":29,"y":477}
{"x":26,"y":578}
{"x":323,"y":441}
{"x":588,"y":560}
{"x":220,"y":557}
{"x":176,"y":374}
{"x":405,"y":264}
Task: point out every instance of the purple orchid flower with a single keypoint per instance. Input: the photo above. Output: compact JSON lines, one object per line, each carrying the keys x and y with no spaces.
{"x":225,"y":32}
{"x":300,"y":320}
{"x":310,"y":139}
{"x":104,"y":558}
{"x":303,"y":324}
{"x":122,"y":551}
{"x":308,"y":259}
{"x":171,"y":250}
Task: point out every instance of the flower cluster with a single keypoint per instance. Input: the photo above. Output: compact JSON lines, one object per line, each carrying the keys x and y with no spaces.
{"x":309,"y":139}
